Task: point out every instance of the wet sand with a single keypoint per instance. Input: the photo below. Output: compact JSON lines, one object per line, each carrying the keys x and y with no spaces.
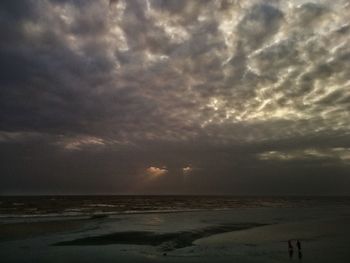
{"x":24,"y":230}
{"x":167,"y":241}
{"x":240,"y":235}
{"x":307,"y":231}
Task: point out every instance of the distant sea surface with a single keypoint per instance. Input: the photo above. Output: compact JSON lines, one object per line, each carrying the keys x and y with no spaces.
{"x":16,"y":207}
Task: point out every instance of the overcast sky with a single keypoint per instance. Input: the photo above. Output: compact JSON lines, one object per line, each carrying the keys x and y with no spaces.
{"x":175,"y":97}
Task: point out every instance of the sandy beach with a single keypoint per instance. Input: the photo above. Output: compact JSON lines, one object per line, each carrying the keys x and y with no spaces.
{"x":234,"y":235}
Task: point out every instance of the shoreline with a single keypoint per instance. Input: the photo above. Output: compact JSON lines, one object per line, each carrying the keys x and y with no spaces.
{"x":168,"y":241}
{"x":254,"y":235}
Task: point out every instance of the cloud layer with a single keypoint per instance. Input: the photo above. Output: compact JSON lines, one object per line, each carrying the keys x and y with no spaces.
{"x":224,"y":85}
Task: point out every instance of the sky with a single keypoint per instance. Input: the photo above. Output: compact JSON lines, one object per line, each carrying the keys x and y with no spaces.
{"x":175,"y":97}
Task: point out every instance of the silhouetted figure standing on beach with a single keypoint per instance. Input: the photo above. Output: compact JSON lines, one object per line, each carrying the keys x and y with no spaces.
{"x":298,"y":244}
{"x":290,"y":249}
{"x":299,"y":249}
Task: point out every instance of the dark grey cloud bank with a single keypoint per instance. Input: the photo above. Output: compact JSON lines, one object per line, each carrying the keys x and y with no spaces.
{"x":137,"y":96}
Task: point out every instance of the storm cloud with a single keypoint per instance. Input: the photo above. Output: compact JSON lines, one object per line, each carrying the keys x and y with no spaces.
{"x":255,"y":95}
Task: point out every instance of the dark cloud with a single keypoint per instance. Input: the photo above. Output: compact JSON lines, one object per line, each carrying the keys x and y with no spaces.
{"x":222,"y":93}
{"x":260,"y":23}
{"x":310,"y":12}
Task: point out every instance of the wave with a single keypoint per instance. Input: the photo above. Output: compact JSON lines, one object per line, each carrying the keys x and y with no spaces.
{"x":91,"y":206}
{"x":95,"y":215}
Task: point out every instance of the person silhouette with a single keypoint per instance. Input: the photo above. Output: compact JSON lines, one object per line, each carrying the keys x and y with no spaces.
{"x":290,"y":249}
{"x":300,"y":255}
{"x":298,"y":245}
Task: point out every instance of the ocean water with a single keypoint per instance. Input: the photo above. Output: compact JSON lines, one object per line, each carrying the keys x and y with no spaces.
{"x":17,"y":207}
{"x":173,"y":229}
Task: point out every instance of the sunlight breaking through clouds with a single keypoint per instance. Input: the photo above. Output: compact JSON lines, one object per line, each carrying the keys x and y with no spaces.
{"x":80,"y":142}
{"x":155,"y":172}
{"x":215,"y":63}
{"x":339,"y":153}
{"x":137,"y":76}
{"x":187,"y":170}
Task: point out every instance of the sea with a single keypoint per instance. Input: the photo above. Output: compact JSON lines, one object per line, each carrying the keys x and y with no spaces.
{"x":17,"y":208}
{"x":172,"y":229}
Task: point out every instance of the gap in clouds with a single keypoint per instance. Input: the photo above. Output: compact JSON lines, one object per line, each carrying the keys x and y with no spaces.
{"x":225,"y":86}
